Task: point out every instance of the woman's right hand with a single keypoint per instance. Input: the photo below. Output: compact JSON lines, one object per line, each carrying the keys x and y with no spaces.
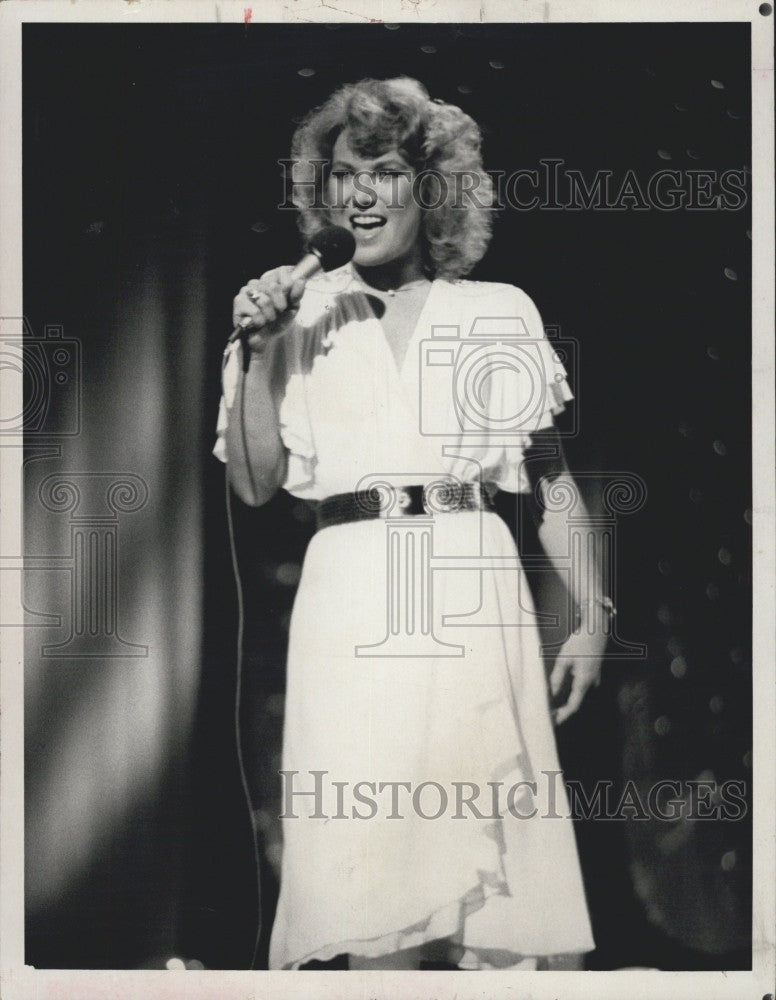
{"x":267,"y":306}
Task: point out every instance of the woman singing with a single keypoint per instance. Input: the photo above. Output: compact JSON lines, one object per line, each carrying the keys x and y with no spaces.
{"x":423,"y":815}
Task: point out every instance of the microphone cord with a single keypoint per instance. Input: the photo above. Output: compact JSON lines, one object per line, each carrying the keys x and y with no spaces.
{"x":240,"y":638}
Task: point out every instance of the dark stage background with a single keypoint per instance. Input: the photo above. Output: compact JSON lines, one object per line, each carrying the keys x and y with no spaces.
{"x":150,"y":185}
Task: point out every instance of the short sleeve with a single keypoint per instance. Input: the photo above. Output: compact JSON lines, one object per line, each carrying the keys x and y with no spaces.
{"x":287,"y":385}
{"x":297,"y":436}
{"x":530,"y":401}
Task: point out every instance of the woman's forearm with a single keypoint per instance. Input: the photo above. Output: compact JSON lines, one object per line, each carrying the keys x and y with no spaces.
{"x":256,"y":458}
{"x":574,"y":550}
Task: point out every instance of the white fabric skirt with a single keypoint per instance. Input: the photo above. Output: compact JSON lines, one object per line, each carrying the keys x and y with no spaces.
{"x":419,"y":828}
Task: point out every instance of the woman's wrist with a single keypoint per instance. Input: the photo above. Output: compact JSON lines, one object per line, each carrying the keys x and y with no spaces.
{"x":596,"y":611}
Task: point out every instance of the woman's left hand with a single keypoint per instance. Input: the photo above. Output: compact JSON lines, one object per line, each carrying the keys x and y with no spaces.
{"x":581,"y":655}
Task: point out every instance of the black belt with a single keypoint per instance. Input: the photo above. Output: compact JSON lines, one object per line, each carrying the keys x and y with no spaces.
{"x":387,"y":501}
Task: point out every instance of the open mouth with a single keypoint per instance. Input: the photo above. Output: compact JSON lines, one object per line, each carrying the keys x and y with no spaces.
{"x":367,"y":221}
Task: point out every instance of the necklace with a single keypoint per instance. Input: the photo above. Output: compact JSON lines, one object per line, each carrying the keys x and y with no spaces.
{"x":391,"y":292}
{"x":409,"y":287}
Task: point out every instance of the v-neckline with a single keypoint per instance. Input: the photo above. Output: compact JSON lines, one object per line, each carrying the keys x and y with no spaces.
{"x":401,"y":368}
{"x":405,"y":377}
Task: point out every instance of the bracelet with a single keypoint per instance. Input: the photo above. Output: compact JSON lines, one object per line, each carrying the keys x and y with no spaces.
{"x":603,"y":602}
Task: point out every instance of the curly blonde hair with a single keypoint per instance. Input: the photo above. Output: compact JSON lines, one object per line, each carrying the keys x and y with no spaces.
{"x":437,"y":139}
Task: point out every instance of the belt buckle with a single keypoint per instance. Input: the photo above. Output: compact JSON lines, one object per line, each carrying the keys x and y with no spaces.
{"x":407,"y":501}
{"x":396,"y":501}
{"x":403,"y":503}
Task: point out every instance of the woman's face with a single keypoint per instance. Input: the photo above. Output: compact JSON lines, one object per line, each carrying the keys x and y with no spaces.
{"x":373,"y":200}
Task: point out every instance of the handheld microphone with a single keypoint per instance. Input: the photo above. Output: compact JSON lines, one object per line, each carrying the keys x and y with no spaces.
{"x":330,"y":248}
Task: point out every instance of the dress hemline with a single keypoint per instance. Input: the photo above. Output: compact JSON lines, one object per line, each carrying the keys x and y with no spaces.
{"x":446,"y":922}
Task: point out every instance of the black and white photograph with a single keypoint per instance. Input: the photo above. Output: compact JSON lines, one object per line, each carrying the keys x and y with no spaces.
{"x":387,"y":452}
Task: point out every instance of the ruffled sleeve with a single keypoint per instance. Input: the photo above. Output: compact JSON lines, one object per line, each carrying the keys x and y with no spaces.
{"x":297,"y":436}
{"x":283,"y":355}
{"x":533,"y":399}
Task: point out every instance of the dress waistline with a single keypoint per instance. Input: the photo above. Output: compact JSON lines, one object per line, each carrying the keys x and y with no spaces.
{"x":385,"y":501}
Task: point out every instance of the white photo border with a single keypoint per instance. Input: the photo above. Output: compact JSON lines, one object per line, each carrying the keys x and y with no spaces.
{"x":18,"y":981}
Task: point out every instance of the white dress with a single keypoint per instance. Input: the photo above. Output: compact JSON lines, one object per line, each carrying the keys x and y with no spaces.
{"x":414,"y":656}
